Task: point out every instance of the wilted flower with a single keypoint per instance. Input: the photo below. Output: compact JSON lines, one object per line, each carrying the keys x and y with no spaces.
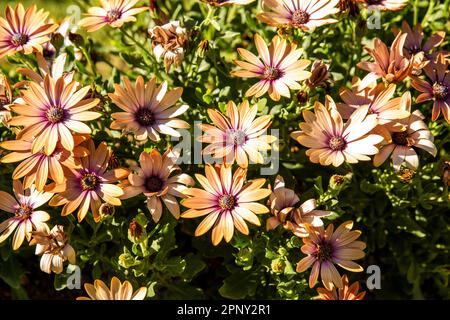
{"x":154,"y":180}
{"x":345,"y":293}
{"x":6,"y":98}
{"x":333,"y":142}
{"x":390,"y":64}
{"x":169,"y":42}
{"x":106,"y":210}
{"x":438,"y":90}
{"x":406,"y":175}
{"x":325,"y":248}
{"x":225,"y":201}
{"x":112,"y":12}
{"x":85,"y":186}
{"x":221,"y":3}
{"x":387,"y":5}
{"x":55,"y":249}
{"x":446,"y":173}
{"x":24,"y":30}
{"x":304,"y":14}
{"x":136,"y":232}
{"x":401,"y":138}
{"x":51,"y":111}
{"x":320,"y":75}
{"x":26,"y":218}
{"x":149,"y":109}
{"x":278,"y":67}
{"x":118,"y":291}
{"x":237,"y":135}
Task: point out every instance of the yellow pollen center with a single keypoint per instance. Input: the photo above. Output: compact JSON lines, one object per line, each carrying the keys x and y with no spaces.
{"x":336,"y":143}
{"x":227,"y":202}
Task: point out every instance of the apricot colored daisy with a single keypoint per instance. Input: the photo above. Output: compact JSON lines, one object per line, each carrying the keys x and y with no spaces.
{"x":85,"y":187}
{"x":26,"y":218}
{"x":324,"y":249}
{"x":38,"y":167}
{"x":155,"y":180}
{"x":6,"y":99}
{"x":49,"y":113}
{"x":333,"y":142}
{"x":149,"y":109}
{"x":112,"y":12}
{"x":117,"y":291}
{"x":345,"y":293}
{"x":238,"y":135}
{"x":24,"y":30}
{"x":278,"y":67}
{"x":225,"y":201}
{"x":304,"y":14}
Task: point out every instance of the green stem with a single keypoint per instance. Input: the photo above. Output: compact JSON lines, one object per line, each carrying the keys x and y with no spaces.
{"x":89,"y":61}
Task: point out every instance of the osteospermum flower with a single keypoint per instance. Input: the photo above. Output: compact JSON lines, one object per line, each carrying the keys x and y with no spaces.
{"x":278,"y":68}
{"x":304,"y":14}
{"x":389,"y":64}
{"x":401,"y":139}
{"x":238,"y":135}
{"x":325,"y":249}
{"x":345,"y":293}
{"x":54,"y":248}
{"x":38,"y":167}
{"x":86,"y":186}
{"x":333,"y":142}
{"x":155,"y":180}
{"x":26,"y":218}
{"x":149,"y":109}
{"x":49,"y":113}
{"x":221,"y":3}
{"x":438,"y":90}
{"x":225,"y":201}
{"x":112,"y":12}
{"x":118,"y":291}
{"x":6,"y":98}
{"x":24,"y":30}
{"x":320,"y":75}
{"x":385,"y":5}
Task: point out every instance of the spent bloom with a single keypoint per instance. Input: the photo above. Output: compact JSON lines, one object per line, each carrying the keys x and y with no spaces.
{"x":345,"y":293}
{"x":112,"y":12}
{"x":26,"y":218}
{"x":24,"y":30}
{"x":148,"y":109}
{"x":155,"y":180}
{"x":304,"y":14}
{"x":333,"y":142}
{"x":278,"y":67}
{"x":385,"y":5}
{"x":221,"y":3}
{"x":117,"y":291}
{"x":225,"y":201}
{"x":169,"y":42}
{"x":320,"y":75}
{"x":325,"y":248}
{"x":239,"y":135}
{"x":54,"y":248}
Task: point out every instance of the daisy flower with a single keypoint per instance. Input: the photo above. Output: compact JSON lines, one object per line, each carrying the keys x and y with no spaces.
{"x":345,"y":293}
{"x":385,"y":5}
{"x":26,"y":218}
{"x":278,"y":68}
{"x":304,"y":14}
{"x":324,"y":249}
{"x":54,"y":248}
{"x":149,"y":109}
{"x":333,"y":142}
{"x":225,"y":201}
{"x":86,"y":186}
{"x":112,"y":12}
{"x":49,"y":113}
{"x":238,"y":135}
{"x":24,"y":30}
{"x":118,"y":291}
{"x":155,"y":180}
{"x":6,"y":99}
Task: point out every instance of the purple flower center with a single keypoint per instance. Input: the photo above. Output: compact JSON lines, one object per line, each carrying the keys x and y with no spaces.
{"x":19,"y":39}
{"x":324,"y":251}
{"x":24,"y":211}
{"x":153,"y":184}
{"x":272,"y":73}
{"x":401,"y":138}
{"x":55,"y":114}
{"x":89,"y":182}
{"x":238,"y":137}
{"x":144,"y":116}
{"x":337,"y":143}
{"x":299,"y":17}
{"x":440,"y":91}
{"x":227,"y":201}
{"x":113,"y":14}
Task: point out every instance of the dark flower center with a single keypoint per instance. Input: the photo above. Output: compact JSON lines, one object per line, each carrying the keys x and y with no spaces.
{"x":300,"y":17}
{"x":113,"y":15}
{"x":337,"y":143}
{"x":227,"y":201}
{"x":440,"y":91}
{"x":414,"y":49}
{"x":55,"y":114}
{"x":324,"y":251}
{"x":272,"y":73}
{"x":374,"y":2}
{"x":153,"y":184}
{"x":144,"y":116}
{"x":338,"y":179}
{"x":24,"y":211}
{"x":238,"y":137}
{"x":400,"y":138}
{"x":89,"y":181}
{"x":19,"y":39}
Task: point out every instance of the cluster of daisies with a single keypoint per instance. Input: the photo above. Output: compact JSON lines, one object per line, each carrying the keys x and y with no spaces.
{"x":59,"y":163}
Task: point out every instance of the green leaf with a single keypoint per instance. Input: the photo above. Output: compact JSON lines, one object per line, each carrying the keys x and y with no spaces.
{"x":239,"y":285}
